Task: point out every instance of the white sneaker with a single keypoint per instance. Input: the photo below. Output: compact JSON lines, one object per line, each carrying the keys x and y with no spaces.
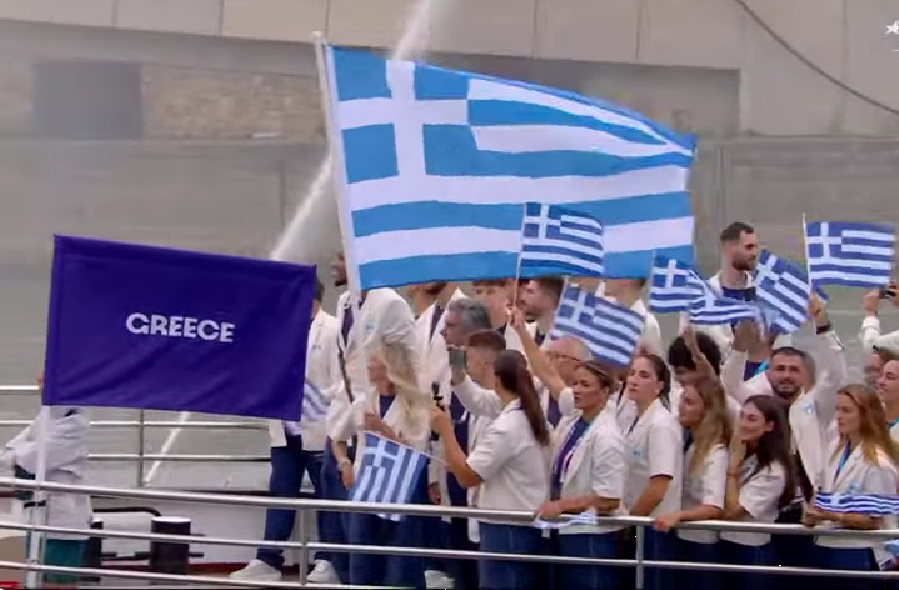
{"x":257,"y":570}
{"x":323,"y":573}
{"x":435,"y":580}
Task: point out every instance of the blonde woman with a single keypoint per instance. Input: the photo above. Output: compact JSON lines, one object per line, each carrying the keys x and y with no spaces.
{"x":394,"y":409}
{"x":862,"y":461}
{"x":704,"y":415}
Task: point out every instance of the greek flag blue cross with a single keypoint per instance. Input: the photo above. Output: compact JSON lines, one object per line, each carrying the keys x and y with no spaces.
{"x":396,"y":122}
{"x":438,"y":163}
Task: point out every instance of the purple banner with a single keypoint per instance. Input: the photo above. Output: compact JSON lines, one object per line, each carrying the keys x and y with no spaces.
{"x":155,"y":328}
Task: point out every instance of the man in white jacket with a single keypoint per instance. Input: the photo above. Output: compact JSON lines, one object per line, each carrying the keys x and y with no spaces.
{"x":66,"y":429}
{"x":464,"y":317}
{"x":878,"y":347}
{"x":434,"y":376}
{"x":296,"y":449}
{"x":739,"y":255}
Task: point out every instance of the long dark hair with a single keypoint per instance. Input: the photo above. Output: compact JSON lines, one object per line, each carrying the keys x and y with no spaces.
{"x":774,"y":445}
{"x":511,"y":369}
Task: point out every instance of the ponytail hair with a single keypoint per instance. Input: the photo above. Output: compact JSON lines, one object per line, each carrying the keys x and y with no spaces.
{"x":511,"y":370}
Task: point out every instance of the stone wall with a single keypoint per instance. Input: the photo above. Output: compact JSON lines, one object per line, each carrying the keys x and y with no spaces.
{"x":184,"y":103}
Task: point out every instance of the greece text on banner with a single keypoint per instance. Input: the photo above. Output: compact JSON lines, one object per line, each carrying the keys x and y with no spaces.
{"x":156,"y":328}
{"x":438,"y":163}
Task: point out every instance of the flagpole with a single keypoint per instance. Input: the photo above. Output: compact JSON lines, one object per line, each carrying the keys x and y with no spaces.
{"x":808,"y":266}
{"x":338,"y":176}
{"x":524,"y":210}
{"x":338,"y":166}
{"x":36,"y":545}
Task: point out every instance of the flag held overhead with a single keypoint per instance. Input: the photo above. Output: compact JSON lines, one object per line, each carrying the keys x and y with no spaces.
{"x":155,"y":328}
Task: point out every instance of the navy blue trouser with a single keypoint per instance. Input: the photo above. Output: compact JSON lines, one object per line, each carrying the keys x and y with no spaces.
{"x":334,"y":525}
{"x":509,"y":575}
{"x":851,"y":559}
{"x":586,"y":577}
{"x":390,"y":570}
{"x":289,"y":463}
{"x":737,"y":554}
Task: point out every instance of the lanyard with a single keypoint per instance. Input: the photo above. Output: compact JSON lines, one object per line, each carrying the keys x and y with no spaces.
{"x":843,"y":458}
{"x":568,"y":448}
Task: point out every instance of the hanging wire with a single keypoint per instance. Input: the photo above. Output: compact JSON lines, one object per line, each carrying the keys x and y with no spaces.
{"x":813,"y":66}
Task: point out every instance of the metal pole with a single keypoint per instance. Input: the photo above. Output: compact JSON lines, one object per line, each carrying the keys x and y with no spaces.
{"x":141,"y":447}
{"x":304,"y":550}
{"x":638,"y":577}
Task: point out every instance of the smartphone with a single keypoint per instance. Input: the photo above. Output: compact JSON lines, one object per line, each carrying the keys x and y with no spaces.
{"x":888,"y":292}
{"x":457,"y":357}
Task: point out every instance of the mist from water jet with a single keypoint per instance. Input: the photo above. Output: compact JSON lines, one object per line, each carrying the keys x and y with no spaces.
{"x":309,"y":236}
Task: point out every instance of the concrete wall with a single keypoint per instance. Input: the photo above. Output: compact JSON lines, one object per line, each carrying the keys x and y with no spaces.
{"x":197,"y":87}
{"x":779,"y":95}
{"x":238,"y":197}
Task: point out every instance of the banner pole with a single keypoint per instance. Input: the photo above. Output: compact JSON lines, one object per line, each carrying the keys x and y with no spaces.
{"x":524,"y":211}
{"x":36,"y":545}
{"x":808,"y":266}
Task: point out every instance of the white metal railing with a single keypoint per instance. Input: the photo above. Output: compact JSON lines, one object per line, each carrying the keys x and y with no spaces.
{"x":303,"y":507}
{"x":142,"y":424}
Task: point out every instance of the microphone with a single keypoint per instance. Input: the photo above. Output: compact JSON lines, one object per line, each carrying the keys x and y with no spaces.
{"x":435,"y":391}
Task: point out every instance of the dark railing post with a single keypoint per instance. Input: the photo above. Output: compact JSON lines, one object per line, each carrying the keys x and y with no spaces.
{"x":167,"y":557}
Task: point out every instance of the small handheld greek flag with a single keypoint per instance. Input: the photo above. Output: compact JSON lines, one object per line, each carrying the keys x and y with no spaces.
{"x":714,"y":310}
{"x":675,"y":285}
{"x":849,"y":253}
{"x":388,"y":474}
{"x":315,"y":403}
{"x":784,"y":288}
{"x":584,"y":518}
{"x":610,"y":331}
{"x":560,"y":241}
{"x":873,"y":504}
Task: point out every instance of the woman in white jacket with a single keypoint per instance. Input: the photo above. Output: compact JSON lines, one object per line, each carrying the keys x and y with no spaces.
{"x":588,"y":469}
{"x":705,"y":417}
{"x":654,"y":446}
{"x":862,"y":461}
{"x":509,"y":463}
{"x":398,"y":411}
{"x":760,"y":482}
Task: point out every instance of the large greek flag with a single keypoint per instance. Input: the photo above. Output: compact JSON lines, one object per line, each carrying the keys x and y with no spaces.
{"x":436,"y":165}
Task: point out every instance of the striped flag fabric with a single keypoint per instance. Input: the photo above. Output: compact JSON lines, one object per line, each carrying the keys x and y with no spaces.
{"x":675,"y":285}
{"x":783,"y":287}
{"x":435,"y":165}
{"x":584,"y":518}
{"x":315,"y":403}
{"x":610,"y":331}
{"x":388,"y":473}
{"x":714,"y":310}
{"x":864,"y":504}
{"x":558,"y":241}
{"x":850,"y":253}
